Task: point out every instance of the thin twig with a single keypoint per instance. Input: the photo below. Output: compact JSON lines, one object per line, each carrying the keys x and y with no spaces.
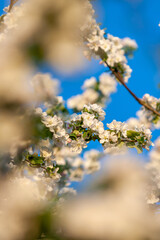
{"x":140,"y":101}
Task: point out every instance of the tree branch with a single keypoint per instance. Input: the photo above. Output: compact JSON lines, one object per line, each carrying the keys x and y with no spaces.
{"x":140,"y":101}
{"x":12,"y":2}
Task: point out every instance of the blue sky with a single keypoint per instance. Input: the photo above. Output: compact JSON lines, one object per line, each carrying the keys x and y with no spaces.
{"x":137,"y":19}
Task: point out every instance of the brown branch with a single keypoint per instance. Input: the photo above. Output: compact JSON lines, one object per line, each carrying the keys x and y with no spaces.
{"x":12,"y":2}
{"x":140,"y":101}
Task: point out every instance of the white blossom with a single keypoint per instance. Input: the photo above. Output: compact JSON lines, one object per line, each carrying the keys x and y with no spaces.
{"x":127,"y":42}
{"x":146,"y":116}
{"x":107,"y":84}
{"x":89,"y":83}
{"x":44,"y":86}
{"x":91,"y":159}
{"x":78,"y":145}
{"x":118,"y":127}
{"x":96,"y":109}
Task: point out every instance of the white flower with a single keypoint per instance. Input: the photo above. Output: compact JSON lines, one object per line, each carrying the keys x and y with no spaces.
{"x":78,"y":145}
{"x":151,"y":100}
{"x":91,"y":161}
{"x":89,"y":83}
{"x":133,"y":123}
{"x":113,"y":137}
{"x":77,"y":162}
{"x":118,"y":127}
{"x":96,"y":109}
{"x":107,"y":84}
{"x":91,"y":166}
{"x":105,"y":44}
{"x":52,"y":122}
{"x":115,"y":40}
{"x":97,"y":126}
{"x":92,"y":154}
{"x":148,"y":133}
{"x":127,"y":42}
{"x":108,"y":136}
{"x":87,"y":120}
{"x":145,"y":116}
{"x":104,"y":137}
{"x":46,"y":152}
{"x":90,"y":96}
{"x":75,"y":117}
{"x":94,"y":42}
{"x":44,"y":86}
{"x":77,"y":174}
{"x":76,"y":102}
{"x":127,"y":73}
{"x":59,"y":132}
{"x":38,"y":111}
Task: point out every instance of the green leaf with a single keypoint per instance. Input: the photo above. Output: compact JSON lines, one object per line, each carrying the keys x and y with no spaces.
{"x":87,"y":135}
{"x":36,"y":162}
{"x":96,"y":87}
{"x":120,"y":144}
{"x":78,"y":123}
{"x":130,"y":144}
{"x":140,"y":139}
{"x":76,"y":132}
{"x":139,"y":149}
{"x":155,"y":119}
{"x":132,"y":134}
{"x":158,"y":106}
{"x":62,"y":168}
{"x":50,"y":170}
{"x":95,"y":137}
{"x":119,"y":134}
{"x":73,"y":136}
{"x":85,"y":109}
{"x":40,"y":131}
{"x":35,"y":159}
{"x":50,"y":112}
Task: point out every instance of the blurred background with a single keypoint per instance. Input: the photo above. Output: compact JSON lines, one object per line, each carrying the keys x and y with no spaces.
{"x":117,"y":194}
{"x":137,"y":19}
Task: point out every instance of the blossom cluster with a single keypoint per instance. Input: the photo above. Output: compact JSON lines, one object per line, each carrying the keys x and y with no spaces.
{"x":119,"y":135}
{"x":111,"y":50}
{"x":147,"y":117}
{"x":95,"y":91}
{"x":87,"y":126}
{"x":56,"y":155}
{"x":55,"y":126}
